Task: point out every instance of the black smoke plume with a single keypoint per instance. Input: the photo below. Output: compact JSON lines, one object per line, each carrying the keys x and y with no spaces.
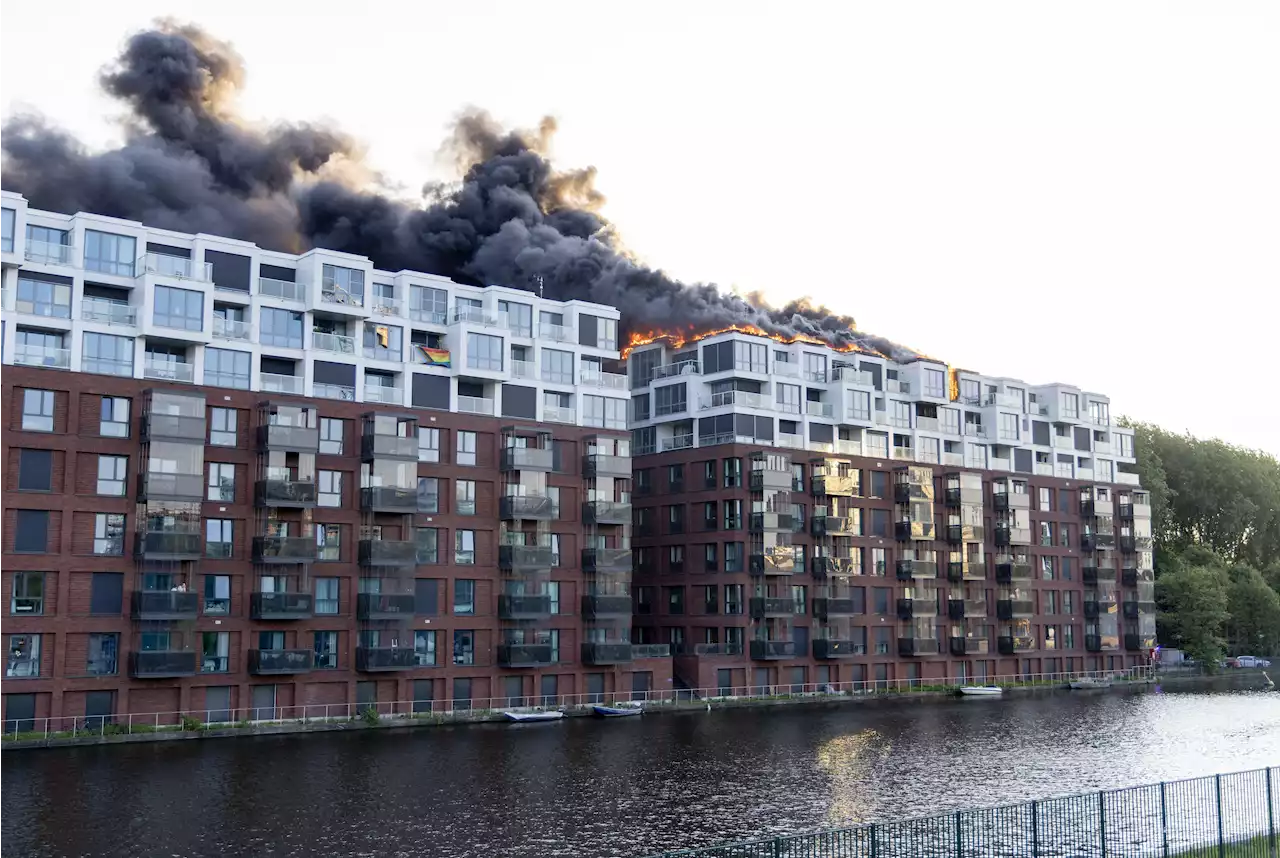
{"x":190,"y":163}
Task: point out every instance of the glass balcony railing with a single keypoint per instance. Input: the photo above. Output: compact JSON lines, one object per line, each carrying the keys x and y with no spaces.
{"x":49,"y":253}
{"x":178,"y":267}
{"x":109,"y":312}
{"x":42,"y":356}
{"x":285,"y":290}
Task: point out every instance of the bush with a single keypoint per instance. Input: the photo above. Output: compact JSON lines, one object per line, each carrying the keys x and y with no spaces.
{"x":190,"y":723}
{"x":370,"y":716}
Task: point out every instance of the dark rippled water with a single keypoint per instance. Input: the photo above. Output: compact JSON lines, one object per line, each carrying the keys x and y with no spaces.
{"x":606,"y":788}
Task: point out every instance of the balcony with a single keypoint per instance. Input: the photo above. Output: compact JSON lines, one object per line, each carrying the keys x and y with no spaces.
{"x":605,"y":560}
{"x":374,"y":446}
{"x":388,"y":552}
{"x":824,"y":607}
{"x":280,"y":606}
{"x":766,"y":479}
{"x":285,"y":290}
{"x":1133,"y":642}
{"x":909,"y":647}
{"x":393,"y":499}
{"x":597,"y":607}
{"x":773,"y":522}
{"x":275,"y":662}
{"x":828,"y":648}
{"x":1128,"y":545}
{"x":763,"y":606}
{"x":47,"y":357}
{"x":379,"y":659}
{"x":294,"y":438}
{"x":1008,"y":609}
{"x":1088,"y":542}
{"x":341,"y":392}
{"x":165,"y":605}
{"x":602,"y":465}
{"x":384,"y":606}
{"x":831,"y":525}
{"x":287,"y":493}
{"x":232,"y":329}
{"x":908,"y":570}
{"x":1093,"y":643}
{"x":524,"y":655}
{"x":170,"y":545}
{"x":772,"y":564}
{"x":1003,"y":536}
{"x":955,"y":571}
{"x":108,"y":312}
{"x":272,"y":382}
{"x":1008,"y":571}
{"x":529,"y":459}
{"x":772,"y":650}
{"x":825,"y":566}
{"x":475,"y":405}
{"x":162,"y":664}
{"x":174,"y":427}
{"x":1124,"y":511}
{"x":959,"y":609}
{"x":968,"y":646}
{"x":651,"y":650}
{"x":524,"y":607}
{"x":1087,"y":508}
{"x":176,"y":487}
{"x":911,"y":608}
{"x":530,"y":558}
{"x":955,"y":533}
{"x":606,"y":512}
{"x":607,"y":653}
{"x":833,"y":486}
{"x":169,"y":371}
{"x":177,"y":267}
{"x":536,"y":507}
{"x":902,"y":492}
{"x":1128,"y":577}
{"x":1131,"y":610}
{"x":284,"y":549}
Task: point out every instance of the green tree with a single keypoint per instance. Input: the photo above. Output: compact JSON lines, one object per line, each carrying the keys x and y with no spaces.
{"x":1194,"y":602}
{"x":1254,"y":627}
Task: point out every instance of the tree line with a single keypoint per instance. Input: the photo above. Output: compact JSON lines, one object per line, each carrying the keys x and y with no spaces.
{"x":1215,"y":514}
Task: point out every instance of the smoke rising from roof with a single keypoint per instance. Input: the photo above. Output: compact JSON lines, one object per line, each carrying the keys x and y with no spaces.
{"x":190,"y":163}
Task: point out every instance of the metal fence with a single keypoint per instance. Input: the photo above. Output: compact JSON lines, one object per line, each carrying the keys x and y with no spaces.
{"x":1220,"y":816}
{"x":459,"y":709}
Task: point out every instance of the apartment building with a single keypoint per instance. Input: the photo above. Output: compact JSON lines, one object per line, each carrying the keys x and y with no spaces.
{"x":804,"y":515}
{"x":238,"y":478}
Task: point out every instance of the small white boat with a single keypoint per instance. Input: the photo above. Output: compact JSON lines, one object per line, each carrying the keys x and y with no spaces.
{"x":1088,"y":682}
{"x":616,"y":711}
{"x":550,"y":715}
{"x":981,"y":690}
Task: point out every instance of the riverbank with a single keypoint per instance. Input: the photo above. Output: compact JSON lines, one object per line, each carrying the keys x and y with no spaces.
{"x":190,"y":728}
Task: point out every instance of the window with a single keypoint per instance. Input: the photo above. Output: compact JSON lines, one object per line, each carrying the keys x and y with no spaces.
{"x":732,"y":514}
{"x":215,"y":647}
{"x":517,"y":317}
{"x":428,"y":542}
{"x":732,"y":469}
{"x":672,"y":399}
{"x":222,"y":427}
{"x":464,"y":547}
{"x":787,"y":397}
{"x":280,"y":328}
{"x":879,"y":565}
{"x":218,"y":538}
{"x":28,"y":594}
{"x":859,"y":405}
{"x":35,"y":470}
{"x":110,"y":254}
{"x":24,"y":657}
{"x":108,"y":534}
{"x":37,"y":410}
{"x":428,"y":444}
{"x":331,"y":434}
{"x":485,"y":352}
{"x":464,"y":497}
{"x":114,"y":417}
{"x":43,"y":298}
{"x":326,"y":595}
{"x":328,"y":542}
{"x":466,"y":452}
{"x":383,"y":342}
{"x":604,"y":412}
{"x":226,"y":368}
{"x":178,"y":308}
{"x":428,"y":305}
{"x":222,"y":482}
{"x":557,"y":366}
{"x":342,"y":285}
{"x":1126,"y":445}
{"x":815,"y":367}
{"x":112,"y":474}
{"x":8,"y":229}
{"x":553,"y":592}
{"x":217,"y":595}
{"x":464,"y":596}
{"x":935,"y":383}
{"x":326,"y":650}
{"x":464,"y":646}
{"x":1070,"y":405}
{"x":31,"y":531}
{"x":103,"y":654}
{"x":1046,"y":499}
{"x":329,"y":492}
{"x":1009,"y":427}
{"x":424,"y":648}
{"x":107,"y":355}
{"x":970,"y":391}
{"x":1046,"y":571}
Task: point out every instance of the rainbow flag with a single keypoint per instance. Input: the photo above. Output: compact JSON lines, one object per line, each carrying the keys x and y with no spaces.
{"x":436,"y":357}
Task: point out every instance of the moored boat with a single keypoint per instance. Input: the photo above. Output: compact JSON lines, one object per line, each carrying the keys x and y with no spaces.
{"x":616,"y":711}
{"x":550,"y":715}
{"x":981,"y":690}
{"x":1088,"y":682}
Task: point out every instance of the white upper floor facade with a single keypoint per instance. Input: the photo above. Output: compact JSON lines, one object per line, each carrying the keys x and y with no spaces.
{"x":89,"y":293}
{"x":737,"y":387}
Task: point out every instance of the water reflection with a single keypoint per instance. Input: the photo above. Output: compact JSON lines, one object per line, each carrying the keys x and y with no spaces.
{"x":614,"y":788}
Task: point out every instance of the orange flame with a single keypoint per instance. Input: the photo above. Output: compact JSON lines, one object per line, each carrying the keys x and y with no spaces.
{"x":679,"y":339}
{"x":953,"y":383}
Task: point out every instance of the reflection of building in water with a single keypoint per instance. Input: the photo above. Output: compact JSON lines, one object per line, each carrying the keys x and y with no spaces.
{"x":848,"y":760}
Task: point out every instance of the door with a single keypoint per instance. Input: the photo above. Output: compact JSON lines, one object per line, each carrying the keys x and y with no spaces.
{"x":264,"y":703}
{"x":462,"y":693}
{"x":423,"y":694}
{"x":99,"y":706}
{"x":797,"y":680}
{"x":366,"y":696}
{"x":761,"y":681}
{"x":217,"y":702}
{"x":724,"y":681}
{"x":513,"y":690}
{"x":641,"y":684}
{"x":595,"y":687}
{"x":19,"y":713}
{"x":549,"y":690}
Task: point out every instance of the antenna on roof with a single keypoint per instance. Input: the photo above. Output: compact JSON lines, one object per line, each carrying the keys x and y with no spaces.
{"x":537,"y":278}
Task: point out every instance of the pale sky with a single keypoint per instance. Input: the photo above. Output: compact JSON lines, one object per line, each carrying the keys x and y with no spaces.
{"x":1085,"y":192}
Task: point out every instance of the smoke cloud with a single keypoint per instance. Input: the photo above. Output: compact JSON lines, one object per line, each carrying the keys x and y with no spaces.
{"x":190,"y":163}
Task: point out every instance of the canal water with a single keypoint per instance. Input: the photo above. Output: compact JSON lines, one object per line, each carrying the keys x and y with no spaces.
{"x":615,"y":788}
